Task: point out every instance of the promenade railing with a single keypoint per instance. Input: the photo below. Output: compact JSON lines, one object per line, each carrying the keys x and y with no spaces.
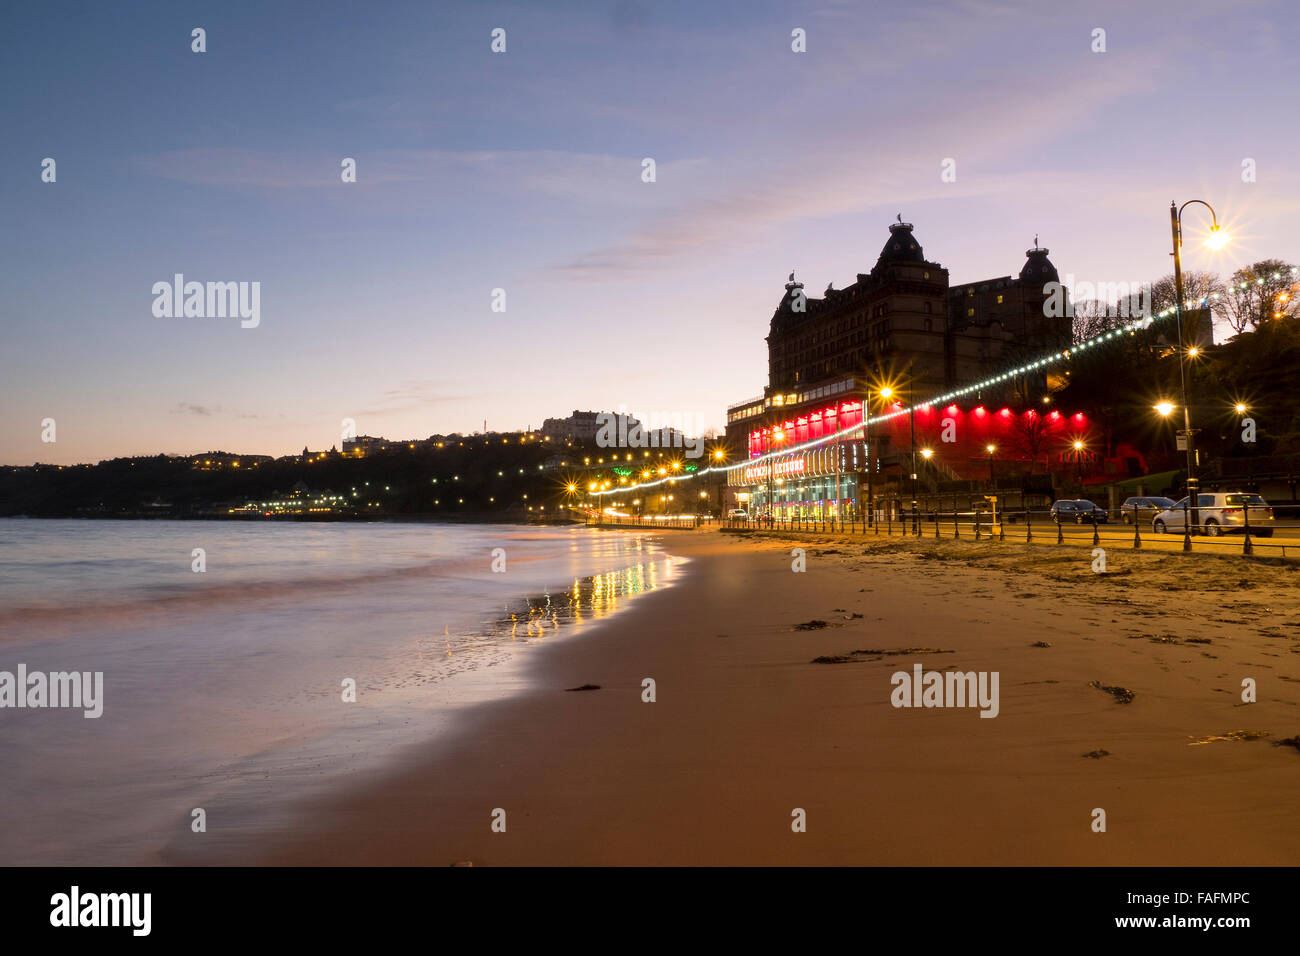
{"x":1253,"y":530}
{"x":648,"y":522}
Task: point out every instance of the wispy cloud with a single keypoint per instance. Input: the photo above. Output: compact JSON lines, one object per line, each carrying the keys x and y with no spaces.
{"x":208,"y":411}
{"x":895,"y":161}
{"x":412,"y":394}
{"x":588,"y":178}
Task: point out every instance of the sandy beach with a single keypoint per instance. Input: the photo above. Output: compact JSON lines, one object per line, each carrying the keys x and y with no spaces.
{"x":748,"y":724}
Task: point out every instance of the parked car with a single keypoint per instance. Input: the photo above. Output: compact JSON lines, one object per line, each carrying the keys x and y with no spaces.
{"x":1078,"y":510}
{"x":1143,"y":509}
{"x":1222,"y":512}
{"x":737,"y":514}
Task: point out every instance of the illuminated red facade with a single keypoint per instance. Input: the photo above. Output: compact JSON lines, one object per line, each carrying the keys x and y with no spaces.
{"x":958,"y":438}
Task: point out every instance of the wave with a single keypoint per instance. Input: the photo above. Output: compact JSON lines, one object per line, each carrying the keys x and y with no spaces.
{"x":181,"y":598}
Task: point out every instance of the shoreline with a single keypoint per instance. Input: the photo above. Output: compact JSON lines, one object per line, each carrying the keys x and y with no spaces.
{"x":425,"y":518}
{"x":754,"y":718}
{"x":426,"y":634}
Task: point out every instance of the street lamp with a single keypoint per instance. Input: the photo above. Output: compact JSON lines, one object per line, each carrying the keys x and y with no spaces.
{"x":885,"y":392}
{"x":1166,"y":409}
{"x":1216,"y":240}
{"x":911,"y":420}
{"x":990,"y":449}
{"x":778,"y":435}
{"x":1078,"y":463}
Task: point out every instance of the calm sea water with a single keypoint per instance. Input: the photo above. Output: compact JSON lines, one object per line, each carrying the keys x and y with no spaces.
{"x":222,"y":689}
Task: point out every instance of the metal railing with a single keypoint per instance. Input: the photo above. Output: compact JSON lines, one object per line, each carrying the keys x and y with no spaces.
{"x":1272,"y":531}
{"x":648,"y":522}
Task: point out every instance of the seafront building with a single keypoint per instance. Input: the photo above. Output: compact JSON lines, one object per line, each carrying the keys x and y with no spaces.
{"x":899,"y":334}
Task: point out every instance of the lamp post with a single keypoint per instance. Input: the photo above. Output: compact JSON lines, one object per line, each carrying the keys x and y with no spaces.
{"x":911,"y":417}
{"x":1216,"y":241}
{"x":866,"y":446}
{"x":885,"y":393}
{"x":927,"y":454}
{"x":778,"y":436}
{"x":990,"y":449}
{"x":1165,"y":409}
{"x":1078,"y":464}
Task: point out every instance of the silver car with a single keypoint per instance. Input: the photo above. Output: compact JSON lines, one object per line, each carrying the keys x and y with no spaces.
{"x":1143,"y":509}
{"x":1220,"y":513}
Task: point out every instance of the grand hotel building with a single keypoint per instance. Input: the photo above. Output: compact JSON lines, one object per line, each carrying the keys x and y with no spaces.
{"x":904,"y":326}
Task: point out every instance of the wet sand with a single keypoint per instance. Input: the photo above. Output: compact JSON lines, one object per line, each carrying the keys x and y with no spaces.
{"x":746,"y":727}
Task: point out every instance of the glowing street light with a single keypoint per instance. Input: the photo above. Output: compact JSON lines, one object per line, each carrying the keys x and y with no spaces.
{"x":885,"y":392}
{"x":1218,"y":237}
{"x":1216,"y":240}
{"x":1164,"y":408}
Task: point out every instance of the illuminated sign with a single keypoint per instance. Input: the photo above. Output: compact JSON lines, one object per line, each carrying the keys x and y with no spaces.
{"x":777,"y":469}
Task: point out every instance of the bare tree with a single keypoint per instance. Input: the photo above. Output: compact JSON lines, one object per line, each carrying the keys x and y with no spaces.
{"x":1260,"y":293}
{"x":1198,"y":287}
{"x":1092,"y":318}
{"x":1030,"y":432}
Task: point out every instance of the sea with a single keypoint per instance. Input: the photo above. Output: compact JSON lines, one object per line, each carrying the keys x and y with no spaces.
{"x":249,"y":666}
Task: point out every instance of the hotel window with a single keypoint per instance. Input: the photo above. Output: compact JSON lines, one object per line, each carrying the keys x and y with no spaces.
{"x":928,"y":325}
{"x":999,"y":300}
{"x":927,"y":307}
{"x":970,"y":313}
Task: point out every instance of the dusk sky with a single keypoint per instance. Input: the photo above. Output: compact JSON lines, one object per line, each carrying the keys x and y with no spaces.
{"x":522,"y":171}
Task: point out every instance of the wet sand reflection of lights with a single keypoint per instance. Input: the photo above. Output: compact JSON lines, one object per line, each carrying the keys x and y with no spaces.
{"x":589,"y":599}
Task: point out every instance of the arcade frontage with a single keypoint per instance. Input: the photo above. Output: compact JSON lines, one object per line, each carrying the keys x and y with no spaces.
{"x":826,"y":482}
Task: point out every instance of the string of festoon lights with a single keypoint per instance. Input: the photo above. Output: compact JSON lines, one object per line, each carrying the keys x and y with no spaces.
{"x":1051,"y":359}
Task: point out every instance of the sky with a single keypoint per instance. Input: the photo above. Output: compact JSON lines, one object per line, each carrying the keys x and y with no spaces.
{"x":522,"y":171}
